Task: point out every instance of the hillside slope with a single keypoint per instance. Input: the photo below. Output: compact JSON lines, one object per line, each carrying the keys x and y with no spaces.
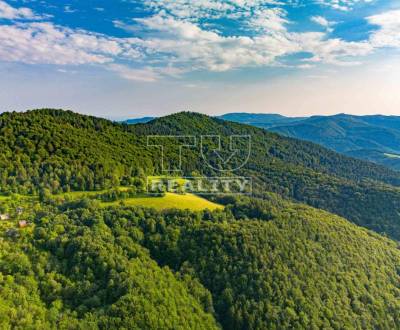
{"x":265,"y":120}
{"x":373,"y":138}
{"x":362,"y":192}
{"x":260,"y":264}
{"x":137,"y":120}
{"x":71,"y":272}
{"x":64,"y":151}
{"x":352,"y":135}
{"x":297,"y":268}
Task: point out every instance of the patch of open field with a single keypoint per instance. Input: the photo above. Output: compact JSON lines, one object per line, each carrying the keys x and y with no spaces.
{"x":83,"y":194}
{"x":169,"y":201}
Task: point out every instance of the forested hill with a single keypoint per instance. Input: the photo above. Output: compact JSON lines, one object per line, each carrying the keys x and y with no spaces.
{"x":267,"y":146}
{"x":363,"y":192}
{"x":375,"y":138}
{"x":258,"y":264}
{"x":63,"y":151}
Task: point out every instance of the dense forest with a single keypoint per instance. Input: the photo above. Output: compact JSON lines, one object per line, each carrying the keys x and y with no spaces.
{"x":266,"y":261}
{"x":374,"y":138}
{"x":260,"y":264}
{"x":63,"y":151}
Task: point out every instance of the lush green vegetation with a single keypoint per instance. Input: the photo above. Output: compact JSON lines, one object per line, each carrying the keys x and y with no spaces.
{"x":260,"y":264}
{"x":362,"y":192}
{"x":168,"y":201}
{"x":61,"y":151}
{"x":375,"y":138}
{"x":115,"y":197}
{"x":71,"y":275}
{"x":79,"y":251}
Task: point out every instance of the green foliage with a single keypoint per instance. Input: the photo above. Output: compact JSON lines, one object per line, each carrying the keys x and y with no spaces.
{"x":300,"y":269}
{"x":374,"y":138}
{"x":59,"y":151}
{"x":258,"y":264}
{"x":168,"y":201}
{"x":71,"y":272}
{"x":62,"y":151}
{"x":362,"y":192}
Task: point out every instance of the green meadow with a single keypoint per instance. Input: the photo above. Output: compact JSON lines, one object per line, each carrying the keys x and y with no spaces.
{"x":73,"y":195}
{"x":168,"y":201}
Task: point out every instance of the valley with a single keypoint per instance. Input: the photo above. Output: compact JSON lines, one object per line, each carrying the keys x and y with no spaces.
{"x":372,"y":138}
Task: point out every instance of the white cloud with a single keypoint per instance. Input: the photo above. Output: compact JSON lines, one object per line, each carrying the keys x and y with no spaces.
{"x":268,"y":20}
{"x":343,"y":5}
{"x":174,"y":41}
{"x":50,"y":44}
{"x":69,"y":10}
{"x":334,"y":51}
{"x":187,"y":45}
{"x":320,"y":20}
{"x":193,"y":10}
{"x":190,"y":10}
{"x":388,"y":34}
{"x":179,"y":39}
{"x":146,"y":74}
{"x":306,"y":66}
{"x":11,"y":13}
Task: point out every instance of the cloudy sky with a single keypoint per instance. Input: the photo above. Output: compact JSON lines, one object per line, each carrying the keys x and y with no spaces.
{"x":127,"y":58}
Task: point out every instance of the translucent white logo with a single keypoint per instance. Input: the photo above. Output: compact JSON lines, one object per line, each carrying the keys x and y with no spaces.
{"x":221,"y":154}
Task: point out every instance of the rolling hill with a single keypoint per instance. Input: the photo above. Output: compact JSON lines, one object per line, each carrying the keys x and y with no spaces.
{"x":137,"y":120}
{"x":266,"y":120}
{"x":63,"y":151}
{"x":359,"y":191}
{"x":261,"y":262}
{"x":372,"y":138}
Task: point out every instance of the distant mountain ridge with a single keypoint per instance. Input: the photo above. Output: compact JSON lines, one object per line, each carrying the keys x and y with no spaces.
{"x":141,"y":120}
{"x":261,"y":118}
{"x":374,"y":138}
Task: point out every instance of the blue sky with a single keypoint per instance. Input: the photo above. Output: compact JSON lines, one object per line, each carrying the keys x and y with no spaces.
{"x":125,"y":58}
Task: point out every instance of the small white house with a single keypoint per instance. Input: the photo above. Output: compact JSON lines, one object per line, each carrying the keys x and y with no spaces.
{"x":22,"y":223}
{"x":4,"y":216}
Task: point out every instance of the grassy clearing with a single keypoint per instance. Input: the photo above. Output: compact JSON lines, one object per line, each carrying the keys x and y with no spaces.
{"x":17,"y":198}
{"x":169,"y":201}
{"x":4,"y":198}
{"x":73,"y":195}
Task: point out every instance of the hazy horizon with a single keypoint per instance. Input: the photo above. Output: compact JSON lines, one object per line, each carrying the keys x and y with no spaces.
{"x":133,"y":117}
{"x":132,"y":58}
